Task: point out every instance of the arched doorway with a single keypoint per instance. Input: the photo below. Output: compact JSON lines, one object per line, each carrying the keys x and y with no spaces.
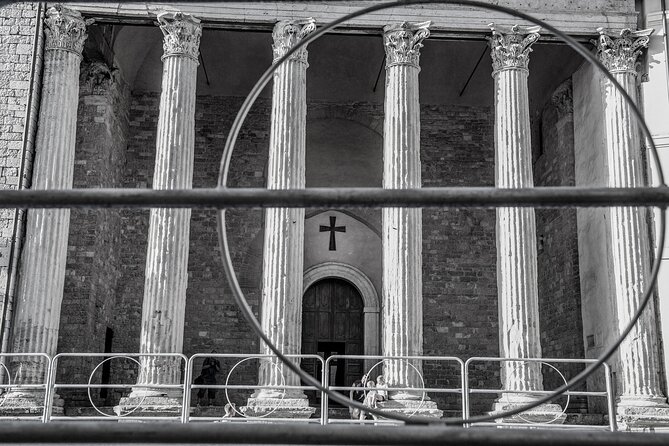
{"x":333,"y":324}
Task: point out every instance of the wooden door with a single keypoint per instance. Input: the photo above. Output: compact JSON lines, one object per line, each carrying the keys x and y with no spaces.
{"x":332,"y":323}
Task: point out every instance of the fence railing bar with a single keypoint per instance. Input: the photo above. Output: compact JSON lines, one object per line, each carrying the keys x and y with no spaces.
{"x":188,"y":413}
{"x":536,"y":392}
{"x":220,"y":198}
{"x":115,"y":386}
{"x":547,"y":425}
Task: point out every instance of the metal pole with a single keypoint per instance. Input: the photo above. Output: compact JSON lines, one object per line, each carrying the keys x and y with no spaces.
{"x":221,"y":198}
{"x":464,"y":372}
{"x":325,"y":379}
{"x":49,"y":389}
{"x":188,"y":376}
{"x":609,"y":399}
{"x":232,"y":433}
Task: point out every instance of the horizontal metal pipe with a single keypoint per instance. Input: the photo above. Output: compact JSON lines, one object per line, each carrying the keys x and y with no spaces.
{"x":339,"y":197}
{"x":233,"y":433}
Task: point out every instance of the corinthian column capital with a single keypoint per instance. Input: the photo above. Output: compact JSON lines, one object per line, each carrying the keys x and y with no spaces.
{"x":403,"y":43}
{"x":620,"y":53}
{"x":182,"y":34}
{"x":287,"y":34}
{"x":511,"y":47}
{"x":65,"y":29}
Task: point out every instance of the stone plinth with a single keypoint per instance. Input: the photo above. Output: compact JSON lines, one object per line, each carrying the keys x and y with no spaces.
{"x":291,"y":407}
{"x":545,"y":413}
{"x":150,"y":405}
{"x":410,"y":408}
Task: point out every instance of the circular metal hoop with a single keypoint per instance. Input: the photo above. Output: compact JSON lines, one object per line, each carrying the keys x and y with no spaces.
{"x":238,"y":294}
{"x":90,"y":379}
{"x":520,"y":415}
{"x":9,"y":383}
{"x":420,"y":375}
{"x":227,"y":397}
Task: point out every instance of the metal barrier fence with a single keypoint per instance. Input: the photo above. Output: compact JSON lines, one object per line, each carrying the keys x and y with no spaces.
{"x":36,"y":387}
{"x":608,"y":393}
{"x":183,"y":390}
{"x":272,"y":361}
{"x":54,"y":385}
{"x":381,"y":360}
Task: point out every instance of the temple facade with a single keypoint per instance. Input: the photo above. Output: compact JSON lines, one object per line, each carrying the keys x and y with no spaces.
{"x":96,"y":95}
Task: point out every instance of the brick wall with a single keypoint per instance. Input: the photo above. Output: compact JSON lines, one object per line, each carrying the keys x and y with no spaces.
{"x":212,"y":318}
{"x":459,"y":279}
{"x":557,"y":244}
{"x":93,"y":262}
{"x":17,"y":32}
{"x":459,"y":270}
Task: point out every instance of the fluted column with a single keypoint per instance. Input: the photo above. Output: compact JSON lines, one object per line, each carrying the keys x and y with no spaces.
{"x":402,"y":304}
{"x":283,"y":249}
{"x":168,"y":240}
{"x":42,"y":268}
{"x":639,"y":377}
{"x":402,"y":300}
{"x":517,"y":288}
{"x":516,"y":227}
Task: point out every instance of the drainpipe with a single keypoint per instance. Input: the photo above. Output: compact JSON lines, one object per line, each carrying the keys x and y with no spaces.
{"x":28,"y":147}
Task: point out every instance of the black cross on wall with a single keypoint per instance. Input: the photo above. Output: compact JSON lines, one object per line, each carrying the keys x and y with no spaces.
{"x":332,"y":229}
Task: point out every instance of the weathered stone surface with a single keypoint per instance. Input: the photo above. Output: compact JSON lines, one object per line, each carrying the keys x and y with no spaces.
{"x":411,"y":408}
{"x":516,"y":227}
{"x":166,"y":275}
{"x":557,"y":244}
{"x":40,"y":290}
{"x":641,"y":397}
{"x":269,"y":407}
{"x":402,"y":297}
{"x":458,"y":245}
{"x":283,"y":248}
{"x":617,"y":14}
{"x":545,"y":413}
{"x":18,"y":121}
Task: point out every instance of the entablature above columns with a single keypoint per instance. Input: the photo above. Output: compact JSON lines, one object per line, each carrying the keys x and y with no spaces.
{"x":447,"y":20}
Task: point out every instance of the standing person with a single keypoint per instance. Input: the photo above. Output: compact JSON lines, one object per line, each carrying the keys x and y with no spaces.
{"x":210,"y":367}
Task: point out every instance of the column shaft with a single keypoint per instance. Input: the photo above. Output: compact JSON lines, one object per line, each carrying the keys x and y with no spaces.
{"x":402,"y":306}
{"x":283,"y":250}
{"x":402,"y":229}
{"x":640,"y":374}
{"x":168,"y":240}
{"x":42,"y":269}
{"x":516,"y":227}
{"x":516,"y":235}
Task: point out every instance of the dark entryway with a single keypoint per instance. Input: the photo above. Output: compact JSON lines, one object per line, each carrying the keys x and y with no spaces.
{"x":332,"y":324}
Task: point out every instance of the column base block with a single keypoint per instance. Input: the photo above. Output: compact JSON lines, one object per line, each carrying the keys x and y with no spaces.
{"x":27,"y":403}
{"x":545,"y":413}
{"x":149,"y":405}
{"x":411,"y":407}
{"x":271,"y":407}
{"x":642,"y":414}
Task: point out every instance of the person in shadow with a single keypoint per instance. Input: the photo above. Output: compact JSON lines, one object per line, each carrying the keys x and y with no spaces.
{"x":210,"y":367}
